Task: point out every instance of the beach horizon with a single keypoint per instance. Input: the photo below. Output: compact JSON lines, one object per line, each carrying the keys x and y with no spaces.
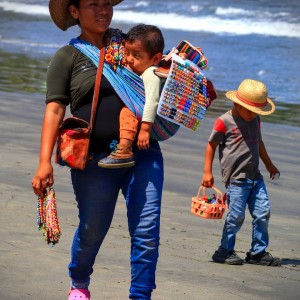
{"x":30,"y":269}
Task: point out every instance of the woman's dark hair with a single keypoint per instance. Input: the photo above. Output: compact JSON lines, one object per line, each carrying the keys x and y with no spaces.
{"x":150,"y":37}
{"x":76,"y":4}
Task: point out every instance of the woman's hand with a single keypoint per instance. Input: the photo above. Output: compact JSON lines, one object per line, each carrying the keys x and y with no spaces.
{"x":43,"y":178}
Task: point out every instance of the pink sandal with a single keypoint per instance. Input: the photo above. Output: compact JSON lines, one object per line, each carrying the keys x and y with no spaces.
{"x":79,"y":294}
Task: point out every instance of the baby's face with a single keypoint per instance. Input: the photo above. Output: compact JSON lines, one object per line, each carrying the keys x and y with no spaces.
{"x":138,"y":59}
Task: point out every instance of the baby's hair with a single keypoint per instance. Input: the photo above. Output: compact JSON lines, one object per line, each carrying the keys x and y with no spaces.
{"x":75,"y":3}
{"x":150,"y":37}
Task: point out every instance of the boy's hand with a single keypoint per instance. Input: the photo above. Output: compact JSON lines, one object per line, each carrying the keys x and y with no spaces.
{"x":208,"y":180}
{"x":273,"y":171}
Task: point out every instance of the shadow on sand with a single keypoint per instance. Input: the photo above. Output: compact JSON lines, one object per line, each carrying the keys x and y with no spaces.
{"x":287,"y":261}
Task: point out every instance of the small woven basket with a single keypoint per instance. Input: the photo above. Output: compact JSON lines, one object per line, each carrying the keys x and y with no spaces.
{"x":202,"y":208}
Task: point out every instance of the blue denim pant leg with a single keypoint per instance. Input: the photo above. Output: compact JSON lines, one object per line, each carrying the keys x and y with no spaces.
{"x":143,"y":199}
{"x":96,"y":191}
{"x":240,"y":193}
{"x":237,"y":194}
{"x":259,"y":207}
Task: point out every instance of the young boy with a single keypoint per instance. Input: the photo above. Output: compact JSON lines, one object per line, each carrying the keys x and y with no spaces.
{"x":238,"y":135}
{"x":144,"y":46}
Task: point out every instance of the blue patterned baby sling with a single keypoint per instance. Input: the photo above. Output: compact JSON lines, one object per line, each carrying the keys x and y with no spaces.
{"x":130,"y":89}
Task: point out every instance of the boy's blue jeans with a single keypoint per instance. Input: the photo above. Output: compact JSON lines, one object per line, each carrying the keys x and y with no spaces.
{"x":240,"y":193}
{"x":96,"y":190}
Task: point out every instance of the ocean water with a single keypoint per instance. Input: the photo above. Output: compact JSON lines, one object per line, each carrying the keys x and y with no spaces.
{"x":257,"y":39}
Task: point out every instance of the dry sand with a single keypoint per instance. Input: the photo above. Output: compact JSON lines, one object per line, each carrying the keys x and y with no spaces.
{"x":30,"y":269}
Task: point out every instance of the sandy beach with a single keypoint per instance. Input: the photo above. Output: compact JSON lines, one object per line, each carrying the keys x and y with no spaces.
{"x":30,"y":269}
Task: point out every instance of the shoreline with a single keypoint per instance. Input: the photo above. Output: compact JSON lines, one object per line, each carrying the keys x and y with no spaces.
{"x":24,"y":74}
{"x":285,"y":113}
{"x":34,"y":84}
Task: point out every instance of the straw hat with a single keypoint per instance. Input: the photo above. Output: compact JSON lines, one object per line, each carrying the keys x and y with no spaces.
{"x":59,"y":12}
{"x":253,"y":95}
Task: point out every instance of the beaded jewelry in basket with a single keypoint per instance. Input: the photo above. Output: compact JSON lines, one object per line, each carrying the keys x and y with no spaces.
{"x":47,"y":219}
{"x":184,"y":98}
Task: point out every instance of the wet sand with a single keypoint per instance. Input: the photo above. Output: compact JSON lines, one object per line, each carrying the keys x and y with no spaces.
{"x":30,"y":269}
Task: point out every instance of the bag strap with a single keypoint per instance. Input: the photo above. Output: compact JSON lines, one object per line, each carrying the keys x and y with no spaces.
{"x":97,"y":87}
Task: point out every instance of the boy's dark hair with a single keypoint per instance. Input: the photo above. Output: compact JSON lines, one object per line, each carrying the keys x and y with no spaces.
{"x":150,"y":36}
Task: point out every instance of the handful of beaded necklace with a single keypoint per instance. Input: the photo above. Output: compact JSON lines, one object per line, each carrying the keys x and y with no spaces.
{"x":47,"y":219}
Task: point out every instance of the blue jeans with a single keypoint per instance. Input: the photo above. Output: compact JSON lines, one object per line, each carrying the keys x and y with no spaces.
{"x":242,"y":192}
{"x":96,"y":190}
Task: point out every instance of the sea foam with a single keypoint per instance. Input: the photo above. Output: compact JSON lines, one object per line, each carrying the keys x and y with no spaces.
{"x":211,"y":24}
{"x":22,"y":8}
{"x":243,"y":22}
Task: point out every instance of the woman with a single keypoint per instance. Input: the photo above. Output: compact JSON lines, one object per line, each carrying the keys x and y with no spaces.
{"x":70,"y":81}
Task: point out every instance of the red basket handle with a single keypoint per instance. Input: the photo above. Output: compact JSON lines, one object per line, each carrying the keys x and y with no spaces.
{"x":219,"y":196}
